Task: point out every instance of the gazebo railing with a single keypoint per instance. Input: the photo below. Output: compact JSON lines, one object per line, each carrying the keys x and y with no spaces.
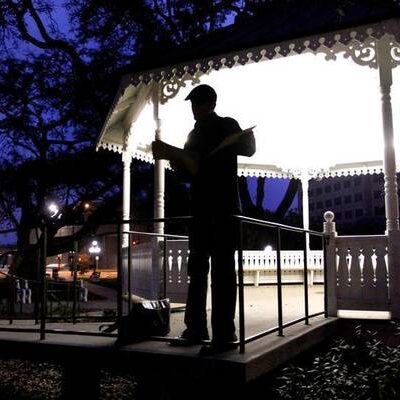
{"x":259,"y":266}
{"x":362,"y":273}
{"x":358,"y":273}
{"x":279,"y":228}
{"x":242,"y":221}
{"x":158,"y":242}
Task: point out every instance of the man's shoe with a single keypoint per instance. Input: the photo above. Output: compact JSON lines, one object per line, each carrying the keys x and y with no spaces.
{"x":189,"y":339}
{"x":217,"y":348}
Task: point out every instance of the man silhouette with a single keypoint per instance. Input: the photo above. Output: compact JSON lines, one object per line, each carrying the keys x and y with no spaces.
{"x":209,"y":158}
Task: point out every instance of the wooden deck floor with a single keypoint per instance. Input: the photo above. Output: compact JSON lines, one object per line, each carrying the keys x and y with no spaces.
{"x":261,"y":353}
{"x":159,"y":362}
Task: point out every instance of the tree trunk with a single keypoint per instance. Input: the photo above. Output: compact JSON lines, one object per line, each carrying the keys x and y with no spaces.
{"x":287,"y":200}
{"x":260,"y":192}
{"x":245,"y":198}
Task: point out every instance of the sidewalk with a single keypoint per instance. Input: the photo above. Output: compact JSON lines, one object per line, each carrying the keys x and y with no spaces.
{"x":98,"y":289}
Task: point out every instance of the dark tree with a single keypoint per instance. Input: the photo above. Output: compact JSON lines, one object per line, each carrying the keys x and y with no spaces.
{"x":258,"y":237}
{"x":58,"y":79}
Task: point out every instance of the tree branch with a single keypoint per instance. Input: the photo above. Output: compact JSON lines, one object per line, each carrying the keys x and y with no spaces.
{"x":68,"y":142}
{"x":26,"y":147}
{"x":168,"y":20}
{"x":48,"y":42}
{"x":8,"y":210}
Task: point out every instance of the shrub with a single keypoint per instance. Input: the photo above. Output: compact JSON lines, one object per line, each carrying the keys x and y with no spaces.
{"x":84,"y":263}
{"x":359,"y":368}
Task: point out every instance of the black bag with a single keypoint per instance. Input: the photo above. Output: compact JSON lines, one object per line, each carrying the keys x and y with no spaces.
{"x":147,"y":318}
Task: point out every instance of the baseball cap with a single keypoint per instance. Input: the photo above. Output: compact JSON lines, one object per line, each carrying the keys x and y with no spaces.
{"x":202,"y":94}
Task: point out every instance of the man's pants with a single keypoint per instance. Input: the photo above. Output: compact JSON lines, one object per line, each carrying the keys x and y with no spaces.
{"x":215,"y":239}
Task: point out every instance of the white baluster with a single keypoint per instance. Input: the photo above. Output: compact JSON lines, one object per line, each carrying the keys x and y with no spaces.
{"x":170,"y":261}
{"x":179,"y":265}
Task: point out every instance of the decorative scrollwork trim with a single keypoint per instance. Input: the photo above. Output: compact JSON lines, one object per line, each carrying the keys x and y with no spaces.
{"x":395,"y":53}
{"x":169,"y":88}
{"x":357,"y":44}
{"x":110,"y":146}
{"x":348,"y":172}
{"x":363,"y":53}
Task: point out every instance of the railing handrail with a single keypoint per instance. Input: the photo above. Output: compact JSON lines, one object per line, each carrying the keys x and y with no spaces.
{"x":154,"y":234}
{"x":123,"y":227}
{"x":282,"y":251}
{"x":364,"y":238}
{"x":177,"y":219}
{"x":236,"y":216}
{"x":256,"y":221}
{"x":154,"y":220}
{"x":17,"y":277}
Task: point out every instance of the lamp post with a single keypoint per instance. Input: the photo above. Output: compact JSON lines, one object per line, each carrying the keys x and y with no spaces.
{"x":94,"y":251}
{"x":268,"y":248}
{"x":53,"y":210}
{"x":51,"y":214}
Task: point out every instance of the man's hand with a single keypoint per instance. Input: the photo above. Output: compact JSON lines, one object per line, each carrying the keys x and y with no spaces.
{"x":179,"y":158}
{"x":160,"y":150}
{"x":233,"y":139}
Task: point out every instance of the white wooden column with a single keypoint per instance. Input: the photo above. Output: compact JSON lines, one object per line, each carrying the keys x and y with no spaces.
{"x":159,"y":168}
{"x":389,"y":160}
{"x":126,"y":193}
{"x":159,"y":207}
{"x":126,"y":185}
{"x":389,"y":167}
{"x":305,"y":205}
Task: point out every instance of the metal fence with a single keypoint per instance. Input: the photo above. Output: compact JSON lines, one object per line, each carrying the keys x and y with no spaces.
{"x":46,"y":294}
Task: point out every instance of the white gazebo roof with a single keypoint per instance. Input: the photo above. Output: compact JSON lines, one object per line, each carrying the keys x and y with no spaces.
{"x":317,"y":111}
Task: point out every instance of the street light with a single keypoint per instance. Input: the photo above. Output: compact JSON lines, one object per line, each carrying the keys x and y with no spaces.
{"x":95,"y":251}
{"x":268,"y":249}
{"x":53,"y":209}
{"x":50,"y":213}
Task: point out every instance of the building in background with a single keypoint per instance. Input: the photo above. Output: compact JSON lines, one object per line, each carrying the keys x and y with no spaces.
{"x":358,"y":202}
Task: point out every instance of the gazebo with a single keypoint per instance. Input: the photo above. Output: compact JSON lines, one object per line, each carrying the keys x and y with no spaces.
{"x":249,"y":64}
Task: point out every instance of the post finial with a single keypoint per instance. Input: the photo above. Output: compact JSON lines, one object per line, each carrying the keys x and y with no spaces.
{"x":329,"y":216}
{"x":329,"y":225}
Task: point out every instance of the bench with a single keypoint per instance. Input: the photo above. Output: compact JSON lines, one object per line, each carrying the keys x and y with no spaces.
{"x":95,"y":277}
